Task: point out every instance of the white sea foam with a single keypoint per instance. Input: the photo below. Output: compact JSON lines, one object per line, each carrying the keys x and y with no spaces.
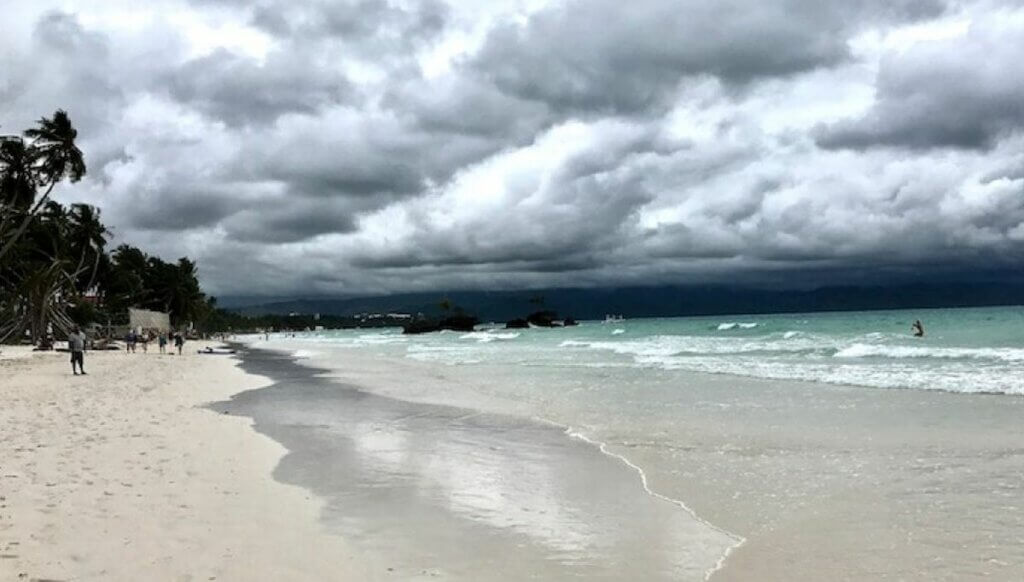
{"x":860,"y":350}
{"x":489,"y":336}
{"x":673,"y":345}
{"x":810,"y":357}
{"x":448,"y":355}
{"x":735,"y":325}
{"x":618,"y":331}
{"x":382,"y":338}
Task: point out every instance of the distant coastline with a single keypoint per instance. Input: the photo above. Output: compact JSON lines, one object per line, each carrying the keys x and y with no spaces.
{"x":660,"y":301}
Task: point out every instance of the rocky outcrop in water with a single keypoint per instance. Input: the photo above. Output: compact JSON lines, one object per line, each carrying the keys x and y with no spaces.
{"x":540,"y":319}
{"x":462,"y":323}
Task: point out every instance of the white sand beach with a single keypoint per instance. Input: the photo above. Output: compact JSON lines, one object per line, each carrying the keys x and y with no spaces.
{"x":124,"y":475}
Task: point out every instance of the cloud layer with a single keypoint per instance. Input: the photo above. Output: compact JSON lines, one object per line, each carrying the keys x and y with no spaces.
{"x":313,"y":146}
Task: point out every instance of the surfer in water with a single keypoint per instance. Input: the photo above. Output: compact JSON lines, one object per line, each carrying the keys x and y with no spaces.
{"x":917,"y":328}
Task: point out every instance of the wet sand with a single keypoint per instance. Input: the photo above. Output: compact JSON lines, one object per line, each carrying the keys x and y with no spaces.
{"x":444,"y":492}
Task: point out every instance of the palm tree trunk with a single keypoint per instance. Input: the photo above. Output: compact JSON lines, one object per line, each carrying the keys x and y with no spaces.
{"x":95,"y":268}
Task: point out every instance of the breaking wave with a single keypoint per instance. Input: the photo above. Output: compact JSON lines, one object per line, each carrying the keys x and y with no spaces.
{"x":735,"y":325}
{"x":860,"y":350}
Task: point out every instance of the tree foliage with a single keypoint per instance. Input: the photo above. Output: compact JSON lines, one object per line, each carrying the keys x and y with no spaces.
{"x":55,"y":268}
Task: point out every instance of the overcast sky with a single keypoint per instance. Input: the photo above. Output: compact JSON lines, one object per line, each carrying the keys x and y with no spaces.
{"x":332,"y":146}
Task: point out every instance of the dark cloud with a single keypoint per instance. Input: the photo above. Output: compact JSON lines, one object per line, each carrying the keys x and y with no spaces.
{"x":581,"y":210}
{"x":239,"y":90}
{"x":608,"y":56}
{"x":289,"y":220}
{"x":186,"y":207}
{"x":384,"y":145}
{"x":468,"y":106}
{"x":365,"y":24}
{"x":960,"y":93}
{"x":66,"y":59}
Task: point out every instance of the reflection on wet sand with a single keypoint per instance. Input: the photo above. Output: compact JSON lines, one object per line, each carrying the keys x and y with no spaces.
{"x":434,"y":490}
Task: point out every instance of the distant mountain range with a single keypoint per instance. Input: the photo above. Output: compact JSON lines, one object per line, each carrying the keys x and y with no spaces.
{"x":662,"y":301}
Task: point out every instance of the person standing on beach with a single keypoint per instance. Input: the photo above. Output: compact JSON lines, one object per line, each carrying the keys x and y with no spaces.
{"x":179,"y":342}
{"x":162,"y":340}
{"x":76,"y":345}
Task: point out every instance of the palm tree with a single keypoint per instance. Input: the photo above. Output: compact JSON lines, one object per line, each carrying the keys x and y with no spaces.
{"x":17,"y":180}
{"x":88,"y":237}
{"x":40,"y":278}
{"x":54,"y":156}
{"x":182,"y":292}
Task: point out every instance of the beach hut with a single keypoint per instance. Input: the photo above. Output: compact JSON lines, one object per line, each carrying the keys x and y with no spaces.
{"x":144,"y":319}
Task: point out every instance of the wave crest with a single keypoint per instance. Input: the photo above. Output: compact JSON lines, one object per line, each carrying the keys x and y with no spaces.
{"x":735,"y":325}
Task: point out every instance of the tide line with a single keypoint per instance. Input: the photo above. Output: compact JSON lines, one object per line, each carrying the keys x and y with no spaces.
{"x":603,"y":447}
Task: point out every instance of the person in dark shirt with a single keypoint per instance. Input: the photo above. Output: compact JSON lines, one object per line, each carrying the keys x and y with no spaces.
{"x":179,"y":342}
{"x":76,"y":345}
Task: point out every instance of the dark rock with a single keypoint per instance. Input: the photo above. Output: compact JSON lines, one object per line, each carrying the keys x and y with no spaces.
{"x":543,"y":319}
{"x":517,"y":324}
{"x":569,"y":322}
{"x":454,"y":323}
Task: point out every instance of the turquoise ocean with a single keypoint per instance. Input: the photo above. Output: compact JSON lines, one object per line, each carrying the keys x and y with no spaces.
{"x":972,"y":350}
{"x":784,"y":445}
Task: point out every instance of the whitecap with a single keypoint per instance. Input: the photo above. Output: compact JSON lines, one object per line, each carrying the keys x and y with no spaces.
{"x":734,"y":325}
{"x":487,"y":337}
{"x":859,"y":350}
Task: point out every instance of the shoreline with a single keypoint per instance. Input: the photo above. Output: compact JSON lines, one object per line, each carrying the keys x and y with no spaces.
{"x":598,"y":502}
{"x":602,"y":446}
{"x":856,"y":482}
{"x":127,"y":474}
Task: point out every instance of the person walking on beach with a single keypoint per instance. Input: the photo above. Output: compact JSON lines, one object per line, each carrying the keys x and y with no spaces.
{"x":917,"y":328}
{"x":162,"y":340}
{"x":179,"y":342}
{"x":76,"y":345}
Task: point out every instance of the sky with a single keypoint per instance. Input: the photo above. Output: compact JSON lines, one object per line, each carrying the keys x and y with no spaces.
{"x":318,"y":147}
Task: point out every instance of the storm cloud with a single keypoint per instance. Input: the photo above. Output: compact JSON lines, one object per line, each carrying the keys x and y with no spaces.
{"x":312,"y":146}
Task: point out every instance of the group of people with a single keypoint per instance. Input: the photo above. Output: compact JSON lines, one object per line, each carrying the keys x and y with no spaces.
{"x":132,"y":339}
{"x":77,"y":340}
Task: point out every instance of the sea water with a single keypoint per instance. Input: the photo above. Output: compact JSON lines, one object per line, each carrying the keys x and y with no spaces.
{"x":963,"y":350}
{"x":827,"y":442}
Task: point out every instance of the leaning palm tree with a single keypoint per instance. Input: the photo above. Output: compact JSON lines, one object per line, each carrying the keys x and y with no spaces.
{"x":17,"y":180}
{"x":41,"y":279}
{"x":54,"y":156}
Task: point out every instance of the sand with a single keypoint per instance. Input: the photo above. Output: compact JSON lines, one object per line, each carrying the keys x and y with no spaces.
{"x":124,"y":475}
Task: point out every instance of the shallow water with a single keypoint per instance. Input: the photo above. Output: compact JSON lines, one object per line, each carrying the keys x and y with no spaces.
{"x":835,"y":444}
{"x":438,"y":491}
